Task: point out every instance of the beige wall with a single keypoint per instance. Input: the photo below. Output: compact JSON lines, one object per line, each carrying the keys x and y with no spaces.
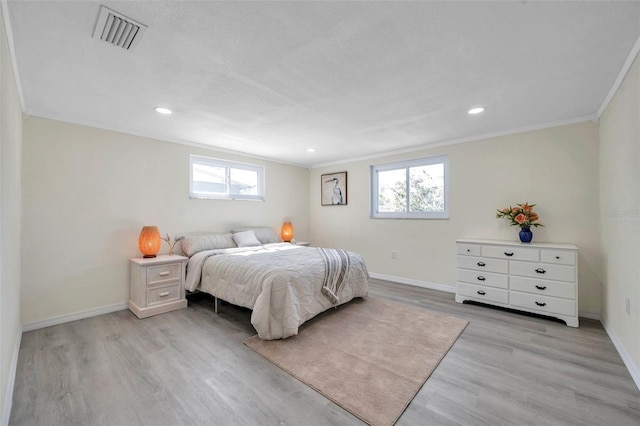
{"x":556,"y":168}
{"x":10,"y":192}
{"x":88,"y":192}
{"x":620,"y":214}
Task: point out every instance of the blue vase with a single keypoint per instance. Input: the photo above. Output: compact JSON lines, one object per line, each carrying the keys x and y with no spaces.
{"x":526,"y":235}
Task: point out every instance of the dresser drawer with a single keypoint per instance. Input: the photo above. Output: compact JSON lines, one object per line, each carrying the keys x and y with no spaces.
{"x":489,"y":294}
{"x":559,"y":257}
{"x":163,"y":294}
{"x":543,"y":270}
{"x":483,"y":264}
{"x":511,"y":253}
{"x":483,"y":278}
{"x":468,"y":249}
{"x":543,"y":287}
{"x":163,"y":273}
{"x":548,"y":304}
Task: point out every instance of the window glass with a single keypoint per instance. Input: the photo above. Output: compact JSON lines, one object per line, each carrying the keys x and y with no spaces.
{"x":413,"y":189}
{"x":222,"y":179}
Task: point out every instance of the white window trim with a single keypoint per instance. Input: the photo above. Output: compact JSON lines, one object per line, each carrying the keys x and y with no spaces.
{"x":374,"y":169}
{"x":228,"y":165}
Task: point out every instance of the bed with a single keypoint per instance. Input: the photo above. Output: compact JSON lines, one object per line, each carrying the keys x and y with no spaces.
{"x":283,"y":284}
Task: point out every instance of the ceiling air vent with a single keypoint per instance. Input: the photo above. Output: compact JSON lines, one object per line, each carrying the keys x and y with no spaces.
{"x":118,"y":30}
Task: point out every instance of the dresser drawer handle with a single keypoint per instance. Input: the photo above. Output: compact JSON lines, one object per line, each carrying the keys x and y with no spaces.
{"x":482,"y":264}
{"x":541,"y":287}
{"x":508,"y":254}
{"x":165,"y":273}
{"x":164,"y":294}
{"x":541,"y":304}
{"x":481,"y":293}
{"x":558,"y":257}
{"x":540,"y":271}
{"x":481,"y":278}
{"x":468,"y":250}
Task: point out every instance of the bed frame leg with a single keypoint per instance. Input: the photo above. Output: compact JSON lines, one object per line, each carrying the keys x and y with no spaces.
{"x":215,"y":304}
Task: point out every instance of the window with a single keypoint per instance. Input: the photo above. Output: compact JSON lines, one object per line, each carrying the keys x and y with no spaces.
{"x":414,"y":189}
{"x":221,"y":179}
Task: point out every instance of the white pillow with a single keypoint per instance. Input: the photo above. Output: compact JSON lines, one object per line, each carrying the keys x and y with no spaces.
{"x":264,"y":234}
{"x":246,"y":239}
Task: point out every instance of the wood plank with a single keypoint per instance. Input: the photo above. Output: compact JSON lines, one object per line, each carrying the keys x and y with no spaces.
{"x":191,"y":367}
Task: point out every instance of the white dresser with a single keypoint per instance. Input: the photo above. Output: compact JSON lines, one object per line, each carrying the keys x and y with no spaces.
{"x":537,"y":277}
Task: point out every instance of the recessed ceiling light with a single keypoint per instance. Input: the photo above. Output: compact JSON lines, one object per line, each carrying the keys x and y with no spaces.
{"x":476,"y":110}
{"x":162,"y":110}
{"x":311,"y":150}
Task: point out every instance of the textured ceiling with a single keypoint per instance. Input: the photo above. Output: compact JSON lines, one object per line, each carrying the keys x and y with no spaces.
{"x":350,"y":79}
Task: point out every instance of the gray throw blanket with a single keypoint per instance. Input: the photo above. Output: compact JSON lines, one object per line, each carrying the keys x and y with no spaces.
{"x":336,"y":263}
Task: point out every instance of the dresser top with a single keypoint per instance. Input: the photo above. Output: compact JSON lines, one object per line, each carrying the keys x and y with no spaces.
{"x":518,"y":244}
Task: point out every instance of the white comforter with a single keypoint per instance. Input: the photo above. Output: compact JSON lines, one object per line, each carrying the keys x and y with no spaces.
{"x":280,"y":282}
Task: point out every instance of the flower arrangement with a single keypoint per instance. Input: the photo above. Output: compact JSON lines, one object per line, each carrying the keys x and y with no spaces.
{"x":167,"y":238}
{"x":521,"y":215}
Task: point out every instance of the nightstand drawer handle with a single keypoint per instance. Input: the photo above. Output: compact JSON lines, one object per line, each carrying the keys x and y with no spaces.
{"x":541,"y":304}
{"x":165,"y":273}
{"x":508,"y":254}
{"x":164,"y":294}
{"x":481,"y":293}
{"x":540,"y":271}
{"x":541,"y":287}
{"x":481,"y":278}
{"x":482,"y":264}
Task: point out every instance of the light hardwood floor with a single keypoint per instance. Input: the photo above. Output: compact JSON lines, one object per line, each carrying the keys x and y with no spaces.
{"x":190,"y":367}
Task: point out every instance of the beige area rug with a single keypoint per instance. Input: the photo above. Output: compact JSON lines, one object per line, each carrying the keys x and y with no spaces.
{"x":370,"y":356}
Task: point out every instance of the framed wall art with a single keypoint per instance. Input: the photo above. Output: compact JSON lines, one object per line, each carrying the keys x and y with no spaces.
{"x":333,"y":189}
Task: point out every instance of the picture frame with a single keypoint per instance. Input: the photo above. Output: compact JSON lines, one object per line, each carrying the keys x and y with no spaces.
{"x":333,"y":189}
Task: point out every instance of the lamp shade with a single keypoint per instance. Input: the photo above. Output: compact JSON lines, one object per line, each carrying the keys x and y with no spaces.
{"x":149,"y":241}
{"x":286,"y":232}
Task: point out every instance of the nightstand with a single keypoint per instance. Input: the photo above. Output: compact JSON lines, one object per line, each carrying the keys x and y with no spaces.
{"x":157,"y":285}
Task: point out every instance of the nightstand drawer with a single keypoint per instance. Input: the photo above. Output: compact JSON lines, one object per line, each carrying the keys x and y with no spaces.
{"x":162,"y":273}
{"x":164,"y":294}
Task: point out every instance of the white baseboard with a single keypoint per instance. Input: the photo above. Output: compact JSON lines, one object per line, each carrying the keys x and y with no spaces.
{"x":589,"y":315}
{"x":8,"y":397}
{"x":628,"y":362}
{"x":409,"y":281}
{"x":61,"y":319}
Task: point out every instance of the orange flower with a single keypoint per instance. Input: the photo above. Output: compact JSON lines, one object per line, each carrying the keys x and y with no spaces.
{"x":521,"y":215}
{"x":520,"y":218}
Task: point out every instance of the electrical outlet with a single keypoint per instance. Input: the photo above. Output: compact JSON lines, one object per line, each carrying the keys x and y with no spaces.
{"x":394,"y":254}
{"x":628,"y":305}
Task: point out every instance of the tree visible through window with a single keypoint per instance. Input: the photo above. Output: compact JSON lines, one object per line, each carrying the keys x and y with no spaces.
{"x":410,"y":189}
